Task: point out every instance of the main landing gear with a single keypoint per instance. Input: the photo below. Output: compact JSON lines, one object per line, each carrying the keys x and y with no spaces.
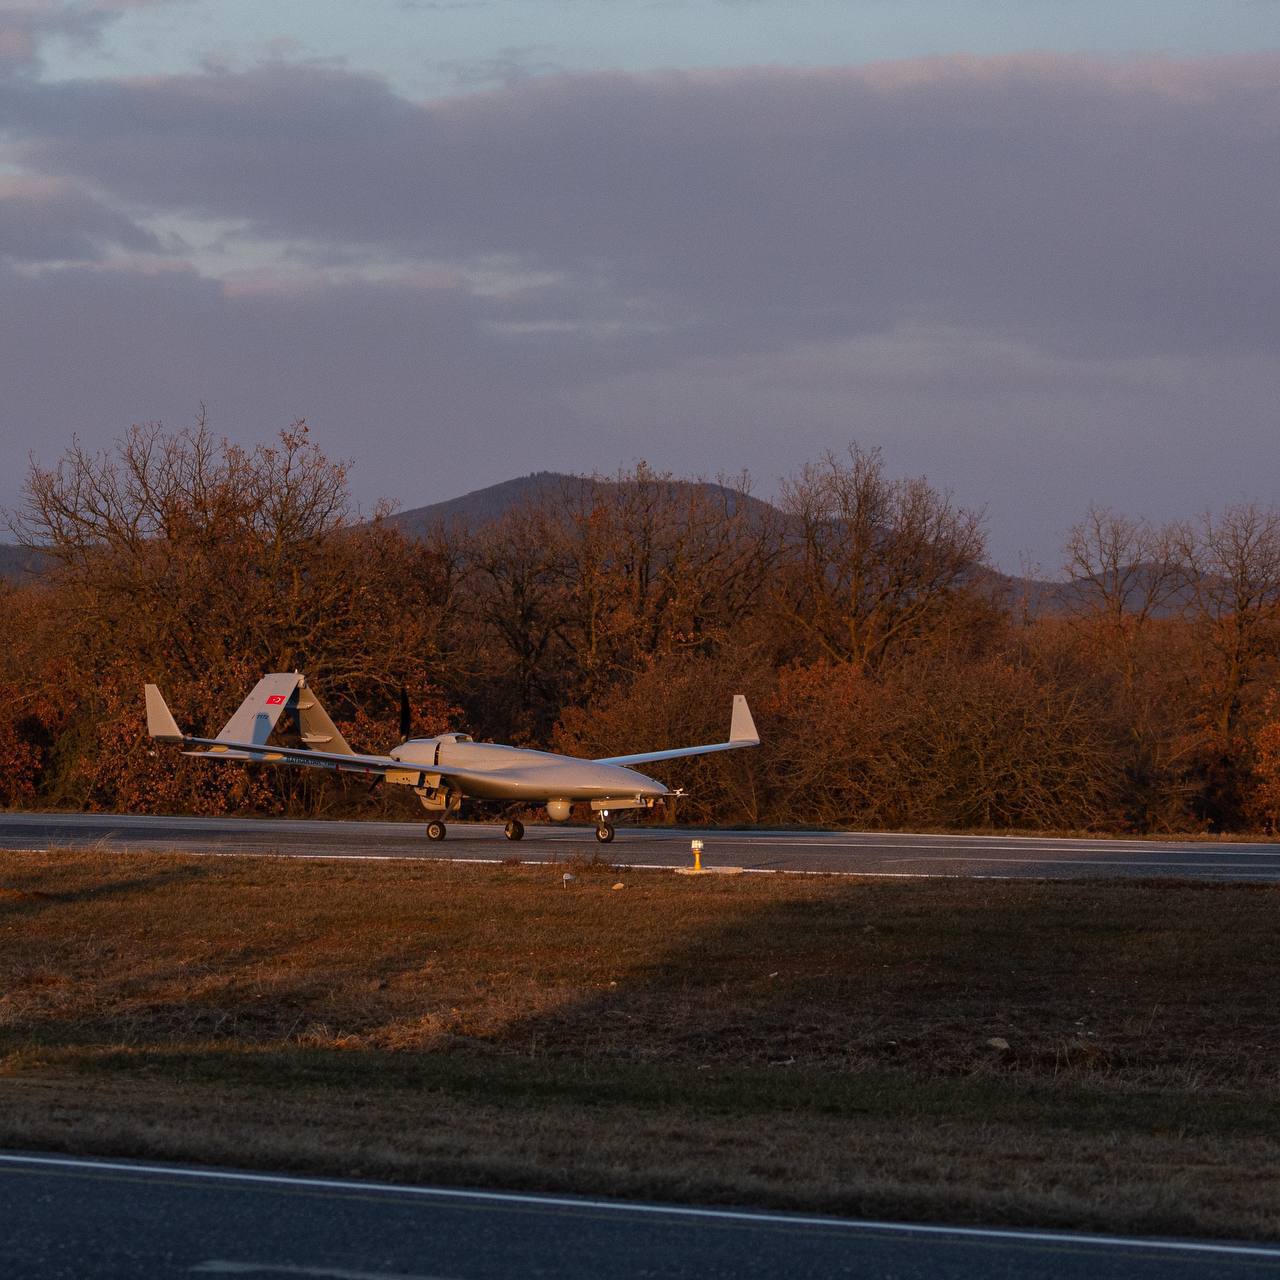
{"x":604,"y":831}
{"x":514,"y":830}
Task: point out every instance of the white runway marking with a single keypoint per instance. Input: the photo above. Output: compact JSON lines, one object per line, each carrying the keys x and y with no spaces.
{"x":499,"y":862}
{"x":1155,"y":850}
{"x":222,"y":1267}
{"x":1226,"y":872}
{"x":1064,"y":862}
{"x":1269,"y":1252}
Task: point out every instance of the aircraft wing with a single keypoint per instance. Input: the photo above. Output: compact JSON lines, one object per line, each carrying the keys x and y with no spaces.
{"x":162,"y":727}
{"x":223,"y":749}
{"x":413,"y":775}
{"x":742,"y":733}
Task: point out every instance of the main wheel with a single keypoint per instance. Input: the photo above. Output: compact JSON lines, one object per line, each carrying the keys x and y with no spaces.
{"x":514,"y":830}
{"x":604,"y":833}
{"x":435,"y":830}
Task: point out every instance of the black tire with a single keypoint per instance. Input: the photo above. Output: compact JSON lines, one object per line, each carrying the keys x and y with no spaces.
{"x":514,"y":829}
{"x":435,"y":830}
{"x":604,"y":833}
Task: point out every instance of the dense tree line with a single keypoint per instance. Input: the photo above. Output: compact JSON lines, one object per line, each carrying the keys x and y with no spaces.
{"x":897,"y":681}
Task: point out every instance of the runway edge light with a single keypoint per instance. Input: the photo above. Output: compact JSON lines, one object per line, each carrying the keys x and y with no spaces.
{"x":697,"y":869}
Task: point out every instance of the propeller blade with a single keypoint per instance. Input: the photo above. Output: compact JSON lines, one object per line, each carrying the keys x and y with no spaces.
{"x":406,"y":715}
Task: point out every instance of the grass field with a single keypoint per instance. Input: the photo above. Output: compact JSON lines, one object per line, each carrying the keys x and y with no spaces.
{"x":1092,"y":1055}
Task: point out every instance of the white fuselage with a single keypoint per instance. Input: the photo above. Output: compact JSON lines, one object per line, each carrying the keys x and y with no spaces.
{"x":490,"y":771}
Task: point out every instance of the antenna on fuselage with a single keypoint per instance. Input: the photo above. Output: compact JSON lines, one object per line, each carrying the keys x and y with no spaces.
{"x":406,"y":714}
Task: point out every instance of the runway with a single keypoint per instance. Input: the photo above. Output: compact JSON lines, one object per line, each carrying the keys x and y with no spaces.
{"x":113,"y":1218}
{"x":841,"y":852}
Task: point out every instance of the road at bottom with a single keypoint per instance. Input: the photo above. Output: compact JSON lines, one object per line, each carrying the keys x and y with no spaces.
{"x":93,"y":1219}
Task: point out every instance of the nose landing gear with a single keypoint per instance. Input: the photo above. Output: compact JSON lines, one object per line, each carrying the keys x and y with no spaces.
{"x":604,"y":832}
{"x":514,"y":830}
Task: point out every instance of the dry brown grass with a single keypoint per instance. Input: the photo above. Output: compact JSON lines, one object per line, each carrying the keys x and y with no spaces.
{"x":806,"y":1042}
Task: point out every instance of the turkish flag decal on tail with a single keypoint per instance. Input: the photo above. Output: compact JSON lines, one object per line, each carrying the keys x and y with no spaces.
{"x":275,"y":700}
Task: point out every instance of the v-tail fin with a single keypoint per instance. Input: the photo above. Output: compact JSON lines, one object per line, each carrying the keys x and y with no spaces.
{"x":160,"y":722}
{"x":256,"y":716}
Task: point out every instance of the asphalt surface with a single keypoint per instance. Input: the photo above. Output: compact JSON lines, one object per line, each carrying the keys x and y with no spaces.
{"x":96,"y":1219}
{"x":847,"y":853}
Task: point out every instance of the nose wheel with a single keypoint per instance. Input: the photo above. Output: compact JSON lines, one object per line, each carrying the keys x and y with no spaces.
{"x":604,"y":833}
{"x":435,"y":830}
{"x":514,"y":830}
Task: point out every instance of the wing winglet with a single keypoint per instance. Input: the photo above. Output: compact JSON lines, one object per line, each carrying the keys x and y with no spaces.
{"x":742,"y":726}
{"x":742,"y":733}
{"x":160,"y":722}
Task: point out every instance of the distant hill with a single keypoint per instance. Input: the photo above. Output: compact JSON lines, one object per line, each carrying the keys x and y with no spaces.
{"x":19,"y":563}
{"x":1027,"y":597}
{"x":473,"y":510}
{"x":482,"y":506}
{"x":1033,"y":596}
{"x":470,"y":511}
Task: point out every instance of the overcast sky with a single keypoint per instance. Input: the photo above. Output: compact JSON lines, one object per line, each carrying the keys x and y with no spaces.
{"x":1030,"y":248}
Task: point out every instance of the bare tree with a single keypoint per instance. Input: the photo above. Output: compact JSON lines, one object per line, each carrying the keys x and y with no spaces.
{"x":184,"y":558}
{"x":1232,"y":563}
{"x":189,"y":546}
{"x":658,"y":566}
{"x":1123,"y":569}
{"x":515,"y":605}
{"x":874,"y":560}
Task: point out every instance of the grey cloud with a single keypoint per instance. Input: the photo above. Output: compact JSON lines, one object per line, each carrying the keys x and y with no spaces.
{"x":407,"y":379}
{"x":710,"y":270}
{"x":432,"y":402}
{"x":24,"y":27}
{"x":508,"y":67}
{"x":51,"y":222}
{"x":1086,"y":205}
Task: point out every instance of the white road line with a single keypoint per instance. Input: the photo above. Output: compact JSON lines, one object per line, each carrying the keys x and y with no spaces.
{"x":1240,"y":875}
{"x":224,"y":1267}
{"x":836,"y":838}
{"x":1078,"y":862}
{"x":890,"y":846}
{"x":868,"y":840}
{"x":624,"y":1207}
{"x":1211,"y":855}
{"x":527,"y":862}
{"x":1154,"y":852}
{"x":1133,"y":843}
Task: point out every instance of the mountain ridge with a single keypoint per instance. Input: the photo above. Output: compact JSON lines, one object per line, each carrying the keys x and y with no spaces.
{"x":479,"y":507}
{"x":482,"y":506}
